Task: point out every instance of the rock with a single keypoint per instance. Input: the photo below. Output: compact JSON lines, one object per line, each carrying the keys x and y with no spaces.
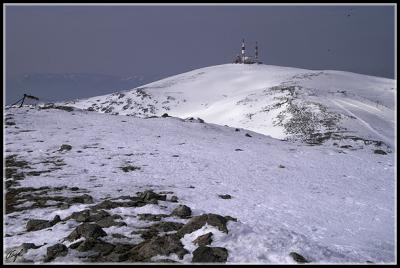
{"x":164,"y":245}
{"x":236,"y":129}
{"x":151,"y":217}
{"x":129,"y":168}
{"x":197,"y":222}
{"x":35,"y":224}
{"x":174,"y":199}
{"x":65,"y":147}
{"x":146,"y":233}
{"x":96,"y":245}
{"x":225,"y":196}
{"x":248,"y":135}
{"x":281,"y":166}
{"x":166,"y":226}
{"x":182,"y":211}
{"x":297,"y":257}
{"x":114,"y":257}
{"x":80,"y":216}
{"x":346,"y":146}
{"x":118,"y":235}
{"x":87,"y":230}
{"x":164,"y":261}
{"x":74,"y":188}
{"x":203,"y":240}
{"x":378,"y":151}
{"x":210,"y":254}
{"x":76,"y":244}
{"x":106,"y":204}
{"x":165,"y":115}
{"x":56,"y":251}
{"x":108,"y":222}
{"x":55,"y":220}
{"x":83,"y":199}
{"x":122,"y":248}
{"x":149,"y":195}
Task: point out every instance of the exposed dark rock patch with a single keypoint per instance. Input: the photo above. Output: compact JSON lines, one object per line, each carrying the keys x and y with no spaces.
{"x":298,"y":258}
{"x":197,"y":222}
{"x":87,"y":230}
{"x":378,"y":151}
{"x":182,"y":211}
{"x":174,"y":199}
{"x":225,"y":196}
{"x":65,"y":147}
{"x":88,"y":215}
{"x":36,"y":224}
{"x":166,"y":226}
{"x":150,"y":195}
{"x":164,"y":245}
{"x":96,"y":245}
{"x":346,"y":146}
{"x":109,"y":221}
{"x":210,"y":254}
{"x":248,"y":135}
{"x":129,"y":168}
{"x":203,"y":240}
{"x":56,"y":251}
{"x":151,"y":217}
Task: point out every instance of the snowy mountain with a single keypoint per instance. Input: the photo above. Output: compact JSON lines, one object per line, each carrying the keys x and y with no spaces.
{"x":284,"y":166}
{"x":313,"y":106}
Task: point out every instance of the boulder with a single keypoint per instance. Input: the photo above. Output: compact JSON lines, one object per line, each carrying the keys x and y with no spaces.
{"x":203,"y":240}
{"x":164,"y":245}
{"x":210,"y":254}
{"x":151,"y":217}
{"x":56,"y":251}
{"x":83,"y":199}
{"x":149,"y":195}
{"x":108,"y":222}
{"x":378,"y":151}
{"x":87,"y":230}
{"x":96,"y":245}
{"x":182,"y":211}
{"x":36,"y":224}
{"x":197,"y":222}
{"x":298,"y":258}
{"x":65,"y":147}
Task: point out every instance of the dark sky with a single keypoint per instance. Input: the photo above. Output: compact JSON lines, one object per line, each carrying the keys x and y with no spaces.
{"x":168,"y":40}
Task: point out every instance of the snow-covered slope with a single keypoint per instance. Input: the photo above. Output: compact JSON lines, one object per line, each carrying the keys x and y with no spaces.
{"x":313,"y":106}
{"x":328,"y":204}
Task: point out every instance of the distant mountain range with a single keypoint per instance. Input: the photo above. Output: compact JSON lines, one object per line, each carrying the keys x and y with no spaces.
{"x":50,"y":87}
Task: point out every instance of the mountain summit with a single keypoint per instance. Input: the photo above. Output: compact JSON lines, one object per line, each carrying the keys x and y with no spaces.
{"x":282,"y":102}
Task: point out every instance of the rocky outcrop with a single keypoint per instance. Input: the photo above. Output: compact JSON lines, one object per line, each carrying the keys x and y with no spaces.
{"x":210,"y":254}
